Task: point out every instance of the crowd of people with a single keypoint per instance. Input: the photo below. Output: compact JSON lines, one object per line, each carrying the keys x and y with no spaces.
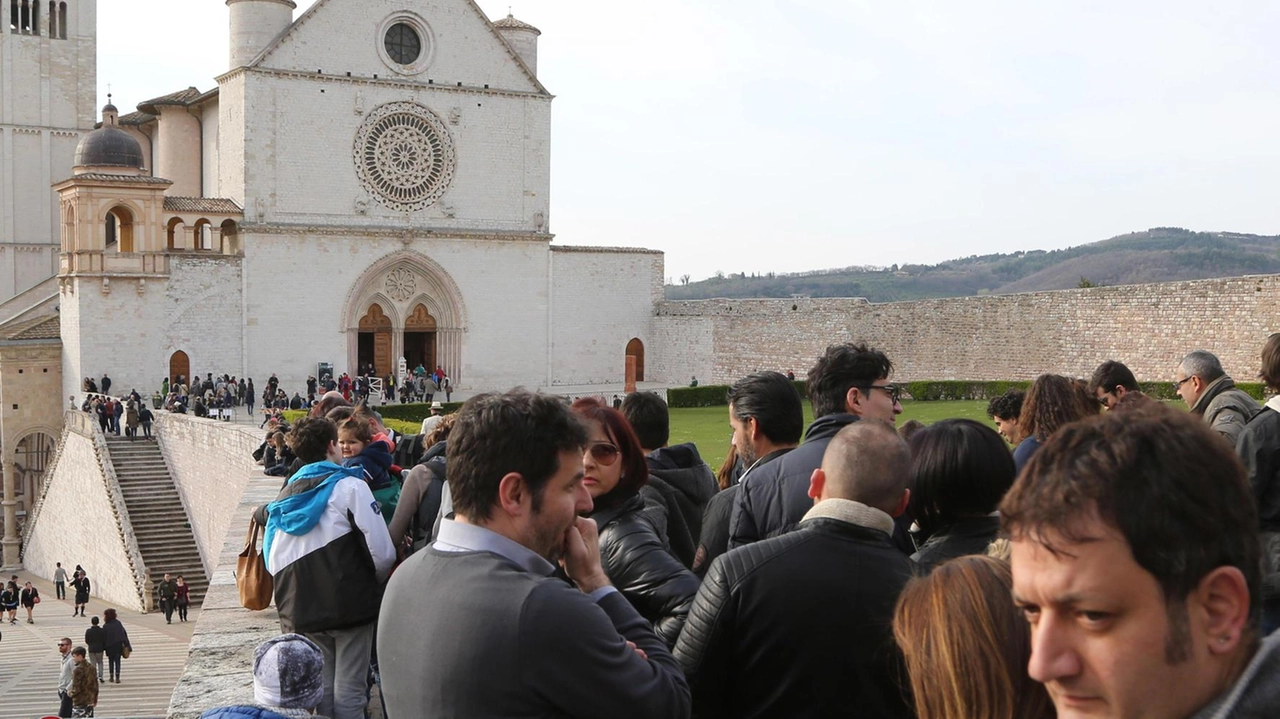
{"x":1114,"y":557}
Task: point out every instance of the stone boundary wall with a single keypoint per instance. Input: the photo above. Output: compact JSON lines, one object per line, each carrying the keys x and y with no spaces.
{"x":82,"y":520}
{"x":211,"y":462}
{"x":997,"y":337}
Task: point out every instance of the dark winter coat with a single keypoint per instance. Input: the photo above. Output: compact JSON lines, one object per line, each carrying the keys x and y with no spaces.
{"x":1225,"y":408}
{"x":714,"y":539}
{"x":95,"y":639}
{"x":654,"y":582}
{"x":774,"y":498}
{"x":1259,"y":450}
{"x":798,"y":625}
{"x":966,"y":536}
{"x":116,"y":636}
{"x":679,"y":488}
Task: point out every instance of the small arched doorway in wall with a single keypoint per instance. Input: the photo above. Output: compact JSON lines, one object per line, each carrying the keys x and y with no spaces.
{"x":174,"y":234}
{"x":635,"y":348}
{"x":31,"y":459}
{"x":179,"y":366}
{"x":230,"y":238}
{"x":374,"y":348}
{"x":203,"y":237}
{"x":420,"y":339}
{"x":119,"y":229}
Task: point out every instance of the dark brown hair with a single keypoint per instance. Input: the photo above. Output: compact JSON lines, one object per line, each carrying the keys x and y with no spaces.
{"x":496,"y":434}
{"x":635,"y":469}
{"x":1164,"y":480}
{"x":966,"y":645}
{"x":1270,"y":372}
{"x":959,"y":468}
{"x":310,"y":438}
{"x":724,"y":477}
{"x":358,"y":428}
{"x":1051,"y":402}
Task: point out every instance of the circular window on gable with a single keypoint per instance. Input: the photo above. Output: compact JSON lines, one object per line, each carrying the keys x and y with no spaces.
{"x":403,"y":44}
{"x":407,"y":45}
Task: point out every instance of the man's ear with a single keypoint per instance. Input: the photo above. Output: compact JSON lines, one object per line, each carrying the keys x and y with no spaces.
{"x":513,"y":494}
{"x":1222,"y":597}
{"x":853,"y":400}
{"x":753,"y":430}
{"x":816,"y":483}
{"x":902,"y":504}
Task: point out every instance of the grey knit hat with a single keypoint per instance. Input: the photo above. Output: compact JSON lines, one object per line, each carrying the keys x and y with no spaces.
{"x":288,"y":673}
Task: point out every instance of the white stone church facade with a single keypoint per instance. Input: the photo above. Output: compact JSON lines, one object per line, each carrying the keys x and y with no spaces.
{"x":368,"y":181}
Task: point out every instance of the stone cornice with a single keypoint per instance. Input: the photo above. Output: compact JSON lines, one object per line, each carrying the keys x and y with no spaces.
{"x":383,"y":82}
{"x":606,"y":250}
{"x":402,"y":233}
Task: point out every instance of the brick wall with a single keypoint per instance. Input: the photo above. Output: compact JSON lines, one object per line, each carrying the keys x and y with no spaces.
{"x":210,"y":462}
{"x":1005,"y":337}
{"x":78,"y":526}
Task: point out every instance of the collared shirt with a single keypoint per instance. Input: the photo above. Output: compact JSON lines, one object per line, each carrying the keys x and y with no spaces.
{"x":64,"y":677}
{"x":458,"y":537}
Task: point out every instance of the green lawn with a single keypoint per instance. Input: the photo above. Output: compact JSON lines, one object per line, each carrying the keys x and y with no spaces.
{"x":708,"y":427}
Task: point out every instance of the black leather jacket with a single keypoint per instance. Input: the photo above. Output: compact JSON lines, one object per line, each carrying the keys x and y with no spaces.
{"x":970,"y":535}
{"x":656,"y":583}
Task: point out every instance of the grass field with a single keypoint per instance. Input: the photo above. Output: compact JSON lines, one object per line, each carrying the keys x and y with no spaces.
{"x":708,"y":427}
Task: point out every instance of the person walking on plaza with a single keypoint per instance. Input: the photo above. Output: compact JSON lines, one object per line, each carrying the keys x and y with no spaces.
{"x":84,"y":685}
{"x":1211,"y":394}
{"x":131,"y":420}
{"x":118,"y":412}
{"x":60,"y":581}
{"x":95,"y":640}
{"x":29,"y":597}
{"x":146,"y":417}
{"x":182,"y":597}
{"x":9,"y":600}
{"x":117,"y":643}
{"x":106,"y":384}
{"x":80,"y":582}
{"x":66,"y":672}
{"x":167,"y":592}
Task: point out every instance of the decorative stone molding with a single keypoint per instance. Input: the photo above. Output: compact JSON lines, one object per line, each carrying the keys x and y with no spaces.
{"x":401,"y":284}
{"x":400,"y":233}
{"x":381,"y":82}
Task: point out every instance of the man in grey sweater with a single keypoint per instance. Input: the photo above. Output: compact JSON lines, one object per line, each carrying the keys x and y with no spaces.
{"x":477,"y":625}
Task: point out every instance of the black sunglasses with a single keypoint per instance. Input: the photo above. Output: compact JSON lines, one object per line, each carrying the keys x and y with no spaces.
{"x":604,"y":453}
{"x":894,"y":390}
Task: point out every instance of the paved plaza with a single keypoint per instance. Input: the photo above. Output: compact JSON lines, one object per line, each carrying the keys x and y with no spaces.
{"x":29,"y":668}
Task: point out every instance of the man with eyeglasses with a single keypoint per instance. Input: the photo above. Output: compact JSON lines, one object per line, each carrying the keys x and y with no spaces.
{"x":848,"y":383}
{"x":1111,"y":383}
{"x":64,"y":677}
{"x":1205,"y":387}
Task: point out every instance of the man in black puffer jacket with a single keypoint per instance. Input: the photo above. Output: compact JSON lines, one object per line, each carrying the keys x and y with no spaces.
{"x":680,"y":483}
{"x":849,"y":382}
{"x":801,"y":625}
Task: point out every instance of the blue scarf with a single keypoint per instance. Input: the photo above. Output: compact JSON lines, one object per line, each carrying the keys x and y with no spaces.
{"x":300,"y":513}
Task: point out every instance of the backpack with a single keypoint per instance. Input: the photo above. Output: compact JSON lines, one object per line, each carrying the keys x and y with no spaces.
{"x":408,"y":450}
{"x":422,"y":525}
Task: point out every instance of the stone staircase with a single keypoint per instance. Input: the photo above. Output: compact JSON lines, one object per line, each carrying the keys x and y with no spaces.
{"x":159,"y":520}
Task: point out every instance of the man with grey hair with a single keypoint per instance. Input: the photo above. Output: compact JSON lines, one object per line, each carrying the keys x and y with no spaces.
{"x":800,"y":624}
{"x":1201,"y":383}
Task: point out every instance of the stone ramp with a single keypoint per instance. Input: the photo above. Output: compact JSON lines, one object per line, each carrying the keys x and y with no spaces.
{"x":29,"y":663}
{"x":156,"y":514}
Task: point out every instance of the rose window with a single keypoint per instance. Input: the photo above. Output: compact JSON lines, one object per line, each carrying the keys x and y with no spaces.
{"x":404,"y":156}
{"x":401,"y":284}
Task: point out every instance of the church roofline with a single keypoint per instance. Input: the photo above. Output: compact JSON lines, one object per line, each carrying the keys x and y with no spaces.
{"x":210,"y":205}
{"x":40,"y":329}
{"x":106,"y":178}
{"x":304,"y":17}
{"x":181,"y":98}
{"x":417,"y":233}
{"x":611,"y":250}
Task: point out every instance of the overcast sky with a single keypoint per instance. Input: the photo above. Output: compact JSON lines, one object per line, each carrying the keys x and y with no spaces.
{"x":756,"y":135}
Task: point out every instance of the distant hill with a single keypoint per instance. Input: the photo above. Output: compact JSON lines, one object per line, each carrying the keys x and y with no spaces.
{"x":1161,"y":254}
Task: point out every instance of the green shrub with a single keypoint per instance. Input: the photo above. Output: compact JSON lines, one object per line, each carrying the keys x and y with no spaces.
{"x":953,"y":390}
{"x":713,"y":395}
{"x":415,"y":412}
{"x":1168,"y":391}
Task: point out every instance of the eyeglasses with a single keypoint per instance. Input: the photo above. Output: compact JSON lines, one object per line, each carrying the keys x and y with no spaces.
{"x":894,"y":390}
{"x":1181,"y":381}
{"x":604,"y":453}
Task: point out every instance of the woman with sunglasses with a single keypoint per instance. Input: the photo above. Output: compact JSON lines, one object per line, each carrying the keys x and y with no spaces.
{"x":633,"y":554}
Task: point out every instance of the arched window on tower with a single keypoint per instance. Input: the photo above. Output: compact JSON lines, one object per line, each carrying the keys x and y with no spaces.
{"x":53,"y":20}
{"x":119,"y":227}
{"x":13,"y":16}
{"x":35,"y":17}
{"x":62,"y":20}
{"x":24,"y":22}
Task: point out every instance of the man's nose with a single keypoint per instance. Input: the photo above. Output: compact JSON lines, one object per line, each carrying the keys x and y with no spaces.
{"x":1053,"y":655}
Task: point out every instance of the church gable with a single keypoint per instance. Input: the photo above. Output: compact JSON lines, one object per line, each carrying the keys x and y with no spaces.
{"x":443,"y":41}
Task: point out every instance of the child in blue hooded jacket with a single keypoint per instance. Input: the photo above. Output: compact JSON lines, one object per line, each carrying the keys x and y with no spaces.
{"x":359,"y":451}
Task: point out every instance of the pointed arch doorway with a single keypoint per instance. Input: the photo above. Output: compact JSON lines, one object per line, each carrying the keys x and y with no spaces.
{"x":420,"y":338}
{"x":374,"y":349}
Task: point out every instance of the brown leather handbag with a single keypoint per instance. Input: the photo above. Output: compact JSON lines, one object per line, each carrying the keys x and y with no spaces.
{"x":252,"y":578}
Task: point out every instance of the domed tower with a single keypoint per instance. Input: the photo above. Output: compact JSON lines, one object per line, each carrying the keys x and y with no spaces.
{"x":523,"y":38}
{"x":109,"y":149}
{"x":254,"y":24}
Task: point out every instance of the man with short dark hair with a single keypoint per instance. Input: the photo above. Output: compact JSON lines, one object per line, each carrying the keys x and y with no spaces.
{"x":680,"y":484}
{"x":800,"y":625}
{"x":849,"y":382}
{"x":767,"y":417}
{"x":1004,"y":411}
{"x":329,"y":553}
{"x":516,"y":640}
{"x":95,"y":641}
{"x":1111,"y":382}
{"x":84,"y":685}
{"x":1135,"y":558}
{"x":1211,"y":394}
{"x":65,"y":673}
{"x":167,"y":592}
{"x":1259,"y":449}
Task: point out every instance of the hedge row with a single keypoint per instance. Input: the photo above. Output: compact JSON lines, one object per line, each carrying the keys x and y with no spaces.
{"x":716,"y":395}
{"x":411,"y":413}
